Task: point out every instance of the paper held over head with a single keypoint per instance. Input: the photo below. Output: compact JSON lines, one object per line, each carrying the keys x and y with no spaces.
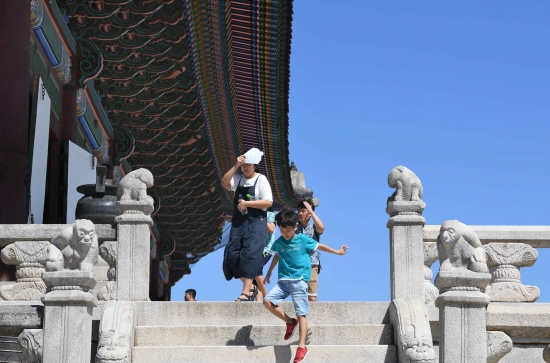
{"x":253,"y":156}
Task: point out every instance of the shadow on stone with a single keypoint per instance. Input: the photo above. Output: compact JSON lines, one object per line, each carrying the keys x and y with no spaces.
{"x":243,"y":338}
{"x":283,"y":353}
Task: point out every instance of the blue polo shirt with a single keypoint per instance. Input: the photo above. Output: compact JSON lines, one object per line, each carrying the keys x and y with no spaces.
{"x":294,"y":261}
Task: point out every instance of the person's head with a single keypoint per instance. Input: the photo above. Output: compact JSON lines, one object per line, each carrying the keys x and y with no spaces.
{"x":249,"y":170}
{"x":286,"y":220}
{"x":190,"y":295}
{"x":303,"y":213}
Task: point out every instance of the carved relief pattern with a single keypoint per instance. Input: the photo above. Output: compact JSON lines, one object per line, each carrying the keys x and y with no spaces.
{"x":31,"y":341}
{"x":430,"y":256}
{"x":418,"y":345}
{"x":504,"y":261}
{"x":29,"y":258}
{"x":498,"y":345}
{"x":116,"y":333}
{"x":108,"y":252}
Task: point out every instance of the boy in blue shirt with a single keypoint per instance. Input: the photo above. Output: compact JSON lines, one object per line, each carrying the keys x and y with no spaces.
{"x":294,"y":273}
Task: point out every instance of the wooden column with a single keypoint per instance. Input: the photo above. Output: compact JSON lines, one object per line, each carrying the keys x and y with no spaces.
{"x":14,"y":109}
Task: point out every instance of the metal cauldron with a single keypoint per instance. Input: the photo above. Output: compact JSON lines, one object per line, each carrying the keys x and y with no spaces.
{"x":98,"y":207}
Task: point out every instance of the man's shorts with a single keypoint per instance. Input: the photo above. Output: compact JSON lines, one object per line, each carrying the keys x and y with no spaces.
{"x":297,"y":289}
{"x":313,"y":282}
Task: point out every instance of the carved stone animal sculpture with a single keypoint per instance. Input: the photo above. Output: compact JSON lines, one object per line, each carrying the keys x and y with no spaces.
{"x":74,"y":248}
{"x":408,"y":186}
{"x":133,"y":187}
{"x":459,"y":248}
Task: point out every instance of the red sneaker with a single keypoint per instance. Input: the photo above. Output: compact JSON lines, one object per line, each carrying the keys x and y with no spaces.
{"x":290,"y":329}
{"x":301,"y":354}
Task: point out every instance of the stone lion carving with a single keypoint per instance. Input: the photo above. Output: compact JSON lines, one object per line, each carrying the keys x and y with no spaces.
{"x":74,"y":248}
{"x":459,"y":248}
{"x":133,"y":187}
{"x":408,"y":186}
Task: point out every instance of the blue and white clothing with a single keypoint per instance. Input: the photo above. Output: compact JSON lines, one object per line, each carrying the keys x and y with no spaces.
{"x":294,"y":262}
{"x":310,"y":230}
{"x":270,"y":236}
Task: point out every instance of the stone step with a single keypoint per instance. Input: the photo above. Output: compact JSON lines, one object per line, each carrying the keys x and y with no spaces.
{"x":262,"y":335}
{"x":271,"y":354}
{"x":254,"y":313}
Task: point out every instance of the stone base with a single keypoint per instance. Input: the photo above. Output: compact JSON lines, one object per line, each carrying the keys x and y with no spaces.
{"x":461,"y":281}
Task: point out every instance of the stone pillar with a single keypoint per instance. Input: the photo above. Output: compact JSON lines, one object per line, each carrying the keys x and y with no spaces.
{"x":133,"y":237}
{"x":68,"y":310}
{"x":504,"y":261}
{"x":406,"y":249}
{"x":430,"y":256}
{"x":462,"y":317}
{"x":15,"y":32}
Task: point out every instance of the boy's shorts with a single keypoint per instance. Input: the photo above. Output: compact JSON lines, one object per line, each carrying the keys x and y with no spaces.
{"x":297,"y":289}
{"x":314,"y":281}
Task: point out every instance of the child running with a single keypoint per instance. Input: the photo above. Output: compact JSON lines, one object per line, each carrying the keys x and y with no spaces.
{"x":294,"y":273}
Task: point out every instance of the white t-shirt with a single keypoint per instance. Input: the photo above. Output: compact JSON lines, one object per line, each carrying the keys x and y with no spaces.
{"x":263,"y":189}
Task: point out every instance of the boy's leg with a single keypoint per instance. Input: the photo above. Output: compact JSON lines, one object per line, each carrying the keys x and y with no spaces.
{"x":301,"y":306}
{"x":313,"y":283}
{"x":273,"y":299}
{"x":261,"y":287}
{"x":302,"y":320}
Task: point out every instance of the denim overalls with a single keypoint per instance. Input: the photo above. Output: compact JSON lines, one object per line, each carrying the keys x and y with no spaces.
{"x":244,"y":251}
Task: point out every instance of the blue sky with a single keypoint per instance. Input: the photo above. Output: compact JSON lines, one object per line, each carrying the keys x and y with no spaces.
{"x":457,"y":92}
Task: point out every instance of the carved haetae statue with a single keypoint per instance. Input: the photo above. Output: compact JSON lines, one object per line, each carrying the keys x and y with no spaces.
{"x":459,"y":248}
{"x":133,"y":187}
{"x":418,"y":345}
{"x":74,"y":248}
{"x":408,"y":186}
{"x":107,"y":250}
{"x":430,"y":256}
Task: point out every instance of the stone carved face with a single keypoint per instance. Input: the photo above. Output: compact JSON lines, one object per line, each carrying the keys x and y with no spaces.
{"x":146,"y":177}
{"x":448,"y":235}
{"x":85,"y":231}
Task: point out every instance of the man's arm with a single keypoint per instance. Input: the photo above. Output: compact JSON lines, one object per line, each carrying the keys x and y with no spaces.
{"x":271,"y":267}
{"x":319,"y":226}
{"x":342,"y":251}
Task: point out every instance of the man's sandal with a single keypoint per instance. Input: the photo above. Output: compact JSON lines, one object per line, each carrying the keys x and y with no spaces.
{"x":245,"y":298}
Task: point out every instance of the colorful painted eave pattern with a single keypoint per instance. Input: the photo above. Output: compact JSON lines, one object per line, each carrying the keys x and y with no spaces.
{"x":240,"y":52}
{"x":188,"y":86}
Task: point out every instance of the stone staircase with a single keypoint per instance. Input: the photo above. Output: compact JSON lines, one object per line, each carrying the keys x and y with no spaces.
{"x":345,"y":332}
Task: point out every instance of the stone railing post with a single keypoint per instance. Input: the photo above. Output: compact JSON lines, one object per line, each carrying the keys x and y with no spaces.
{"x":462,"y":302}
{"x":504,"y":261}
{"x":68,"y":311}
{"x":133,"y":237}
{"x":69,"y":300}
{"x":406,"y":234}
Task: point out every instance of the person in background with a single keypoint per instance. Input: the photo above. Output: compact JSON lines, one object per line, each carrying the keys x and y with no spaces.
{"x":294,"y":273}
{"x":311,"y":225}
{"x":190,"y":295}
{"x":267,"y":253}
{"x":243,"y":253}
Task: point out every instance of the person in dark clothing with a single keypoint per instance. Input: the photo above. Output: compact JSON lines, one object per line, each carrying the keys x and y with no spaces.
{"x":244,"y":252}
